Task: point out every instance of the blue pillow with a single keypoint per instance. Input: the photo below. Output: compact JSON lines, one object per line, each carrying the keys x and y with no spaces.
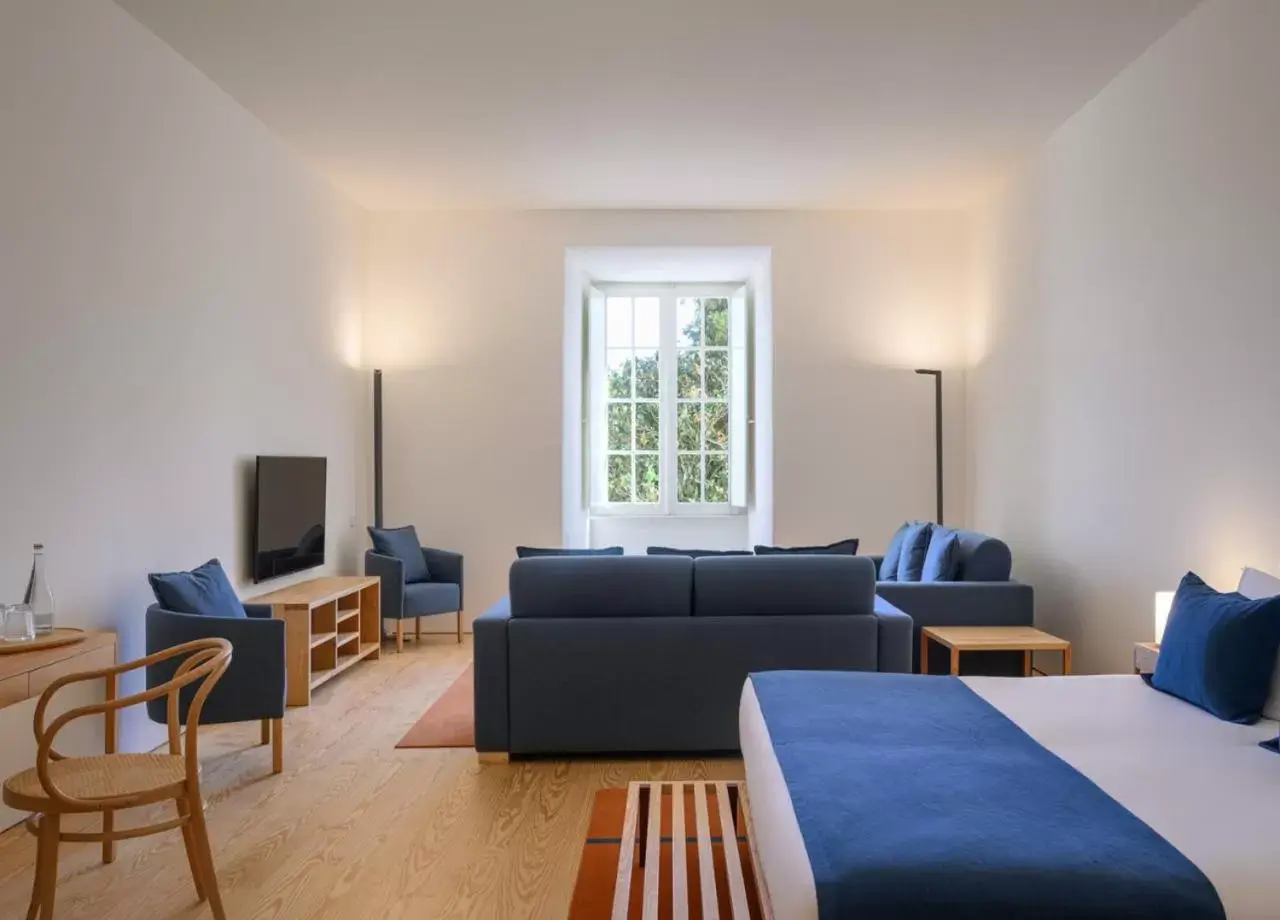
{"x":942,"y":559}
{"x":839,"y":548}
{"x":403,"y":544}
{"x":1219,"y":650}
{"x":205,"y":591}
{"x":892,"y":555}
{"x":915,"y":543}
{"x":534,"y":552}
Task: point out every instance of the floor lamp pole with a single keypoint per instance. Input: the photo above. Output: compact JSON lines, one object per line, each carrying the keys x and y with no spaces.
{"x":377,"y":448}
{"x":937,"y":428}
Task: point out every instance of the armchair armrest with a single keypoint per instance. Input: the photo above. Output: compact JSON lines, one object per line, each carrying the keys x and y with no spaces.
{"x":894,"y":645}
{"x":493,"y":730}
{"x":391,"y":571}
{"x":253,"y":686}
{"x":445,"y":566}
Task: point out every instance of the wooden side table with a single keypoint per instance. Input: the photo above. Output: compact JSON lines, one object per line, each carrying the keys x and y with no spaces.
{"x":1144,"y":657}
{"x":1025,"y":639}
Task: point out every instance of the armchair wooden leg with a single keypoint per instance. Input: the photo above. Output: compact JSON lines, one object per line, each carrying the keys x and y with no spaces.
{"x":108,"y":846}
{"x":193,"y":854}
{"x":399,"y":636}
{"x":200,"y":834}
{"x":459,"y":627}
{"x":417,"y":629}
{"x":266,"y":731}
{"x":46,"y":867}
{"x":277,"y":745}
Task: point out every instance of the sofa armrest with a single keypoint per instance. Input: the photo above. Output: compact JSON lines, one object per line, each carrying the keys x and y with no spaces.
{"x":493,"y":726}
{"x":895,"y":643}
{"x":253,"y":686}
{"x":258,"y":611}
{"x":391,"y":571}
{"x":445,"y":566}
{"x":964,"y":603}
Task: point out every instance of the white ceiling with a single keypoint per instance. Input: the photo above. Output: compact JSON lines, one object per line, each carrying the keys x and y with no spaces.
{"x":410,"y":104}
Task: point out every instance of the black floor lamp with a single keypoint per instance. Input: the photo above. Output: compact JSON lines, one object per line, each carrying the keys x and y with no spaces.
{"x":377,"y":447}
{"x":937,"y":419}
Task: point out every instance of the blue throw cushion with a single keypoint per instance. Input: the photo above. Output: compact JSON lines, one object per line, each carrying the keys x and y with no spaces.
{"x":534,"y":552}
{"x":892,"y":555}
{"x":839,"y":548}
{"x":403,"y":544}
{"x":942,"y":559}
{"x":695,"y":553}
{"x":915,"y":543}
{"x":1219,"y":650}
{"x":204,"y":591}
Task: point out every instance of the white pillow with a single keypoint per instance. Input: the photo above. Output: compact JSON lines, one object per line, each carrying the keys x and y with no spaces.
{"x":1253,"y":585}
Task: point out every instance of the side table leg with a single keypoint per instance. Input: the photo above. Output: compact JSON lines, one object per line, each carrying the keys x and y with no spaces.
{"x":955,"y":662}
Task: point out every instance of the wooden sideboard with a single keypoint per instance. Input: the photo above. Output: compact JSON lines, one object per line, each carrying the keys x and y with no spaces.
{"x":26,"y":675}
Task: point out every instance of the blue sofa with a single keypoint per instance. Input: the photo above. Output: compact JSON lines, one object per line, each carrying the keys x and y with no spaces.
{"x":649,"y":653}
{"x":982,"y":594}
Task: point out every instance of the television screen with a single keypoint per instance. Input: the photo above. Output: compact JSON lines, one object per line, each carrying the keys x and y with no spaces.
{"x":288,"y":531}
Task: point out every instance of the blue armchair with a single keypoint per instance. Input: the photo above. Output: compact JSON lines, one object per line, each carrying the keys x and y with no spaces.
{"x":253,"y":688}
{"x":413,"y":600}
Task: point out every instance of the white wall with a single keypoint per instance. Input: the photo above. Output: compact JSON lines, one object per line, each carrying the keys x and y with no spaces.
{"x":177,"y":295}
{"x":1123,"y":411}
{"x":466,"y":313}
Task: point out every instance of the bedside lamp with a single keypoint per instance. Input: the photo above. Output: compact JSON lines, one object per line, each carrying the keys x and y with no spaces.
{"x":1163,"y":603}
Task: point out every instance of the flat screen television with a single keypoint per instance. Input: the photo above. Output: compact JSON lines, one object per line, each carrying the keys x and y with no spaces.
{"x":289,"y":516}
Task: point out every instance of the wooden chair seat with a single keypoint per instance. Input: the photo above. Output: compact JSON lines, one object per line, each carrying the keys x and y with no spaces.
{"x":143,"y":778}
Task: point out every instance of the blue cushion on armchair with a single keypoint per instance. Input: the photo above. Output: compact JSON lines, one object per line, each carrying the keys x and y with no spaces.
{"x":402,"y":543}
{"x":915,"y":543}
{"x":1218,"y":650}
{"x":204,"y":591}
{"x":942,"y":559}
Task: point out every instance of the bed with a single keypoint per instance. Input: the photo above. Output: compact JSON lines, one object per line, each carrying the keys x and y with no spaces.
{"x":1201,"y":784}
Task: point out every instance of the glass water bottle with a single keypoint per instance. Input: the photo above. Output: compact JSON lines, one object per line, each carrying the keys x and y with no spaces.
{"x":39,"y":594}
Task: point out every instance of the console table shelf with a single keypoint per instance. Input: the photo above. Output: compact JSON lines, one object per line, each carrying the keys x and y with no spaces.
{"x":324,"y":618}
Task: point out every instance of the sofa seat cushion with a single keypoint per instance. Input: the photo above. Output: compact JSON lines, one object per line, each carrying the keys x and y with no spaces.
{"x":402,"y":543}
{"x":425,"y":597}
{"x":204,"y":591}
{"x":783,"y":585}
{"x":602,"y":586}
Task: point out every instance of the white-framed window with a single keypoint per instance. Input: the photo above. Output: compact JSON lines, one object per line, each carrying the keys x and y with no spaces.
{"x":668,"y":399}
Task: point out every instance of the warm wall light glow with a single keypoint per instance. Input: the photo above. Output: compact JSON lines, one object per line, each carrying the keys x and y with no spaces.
{"x":1164,"y":602}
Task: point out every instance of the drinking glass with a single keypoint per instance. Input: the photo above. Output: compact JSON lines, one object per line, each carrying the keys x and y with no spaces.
{"x":19,"y":623}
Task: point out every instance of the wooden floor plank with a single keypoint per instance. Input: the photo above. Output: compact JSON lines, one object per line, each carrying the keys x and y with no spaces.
{"x":354,"y":828}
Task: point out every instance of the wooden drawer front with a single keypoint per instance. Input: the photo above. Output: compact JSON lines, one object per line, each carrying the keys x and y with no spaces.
{"x":103,"y":657}
{"x":14,"y":689}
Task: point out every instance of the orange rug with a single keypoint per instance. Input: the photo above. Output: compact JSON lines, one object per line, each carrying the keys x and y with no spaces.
{"x":450,"y":722}
{"x":598,"y":871}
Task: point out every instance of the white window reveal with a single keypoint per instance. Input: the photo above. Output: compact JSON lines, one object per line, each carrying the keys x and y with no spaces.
{"x":668,"y":398}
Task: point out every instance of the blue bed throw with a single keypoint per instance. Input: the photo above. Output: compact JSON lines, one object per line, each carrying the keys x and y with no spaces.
{"x":919,"y":800}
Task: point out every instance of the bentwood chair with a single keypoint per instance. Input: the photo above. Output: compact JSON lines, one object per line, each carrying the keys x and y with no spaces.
{"x":59,"y":785}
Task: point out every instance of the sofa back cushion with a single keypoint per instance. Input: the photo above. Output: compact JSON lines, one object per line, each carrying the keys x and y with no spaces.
{"x":695,"y":553}
{"x":983,"y":558}
{"x":537,"y":552}
{"x":783,"y":585}
{"x":601,"y":586}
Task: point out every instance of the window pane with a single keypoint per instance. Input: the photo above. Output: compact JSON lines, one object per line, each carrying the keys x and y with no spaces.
{"x":717,"y":478}
{"x":619,"y":374}
{"x":647,"y":380}
{"x":717,"y":363}
{"x":647,"y":322}
{"x":620,"y":477}
{"x":689,"y":373}
{"x":620,"y":426}
{"x":617,"y":324}
{"x":688,"y":321}
{"x":689,"y":426}
{"x":716,"y":311}
{"x":689,"y":472}
{"x":717,"y":437}
{"x":647,"y":478}
{"x":647,"y":427}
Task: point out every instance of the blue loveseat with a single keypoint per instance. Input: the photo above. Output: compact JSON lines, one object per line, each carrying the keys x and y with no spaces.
{"x":649,"y":653}
{"x":981,"y":594}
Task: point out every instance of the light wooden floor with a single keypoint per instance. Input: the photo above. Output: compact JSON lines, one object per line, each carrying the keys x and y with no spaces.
{"x":355,"y":828}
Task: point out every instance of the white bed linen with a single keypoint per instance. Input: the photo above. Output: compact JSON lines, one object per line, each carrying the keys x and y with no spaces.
{"x":1202,"y":784}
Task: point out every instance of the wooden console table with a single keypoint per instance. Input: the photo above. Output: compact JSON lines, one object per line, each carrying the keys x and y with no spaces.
{"x":330,"y":624}
{"x":25,"y":675}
